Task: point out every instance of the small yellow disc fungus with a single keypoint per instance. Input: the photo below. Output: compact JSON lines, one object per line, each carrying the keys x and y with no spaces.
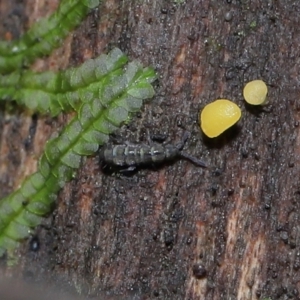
{"x":218,"y":116}
{"x":255,"y":92}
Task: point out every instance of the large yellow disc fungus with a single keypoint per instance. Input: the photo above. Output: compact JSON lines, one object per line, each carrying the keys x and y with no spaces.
{"x":255,"y":92}
{"x":218,"y":116}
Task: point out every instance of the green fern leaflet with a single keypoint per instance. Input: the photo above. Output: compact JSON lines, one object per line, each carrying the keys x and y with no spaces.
{"x":104,"y":92}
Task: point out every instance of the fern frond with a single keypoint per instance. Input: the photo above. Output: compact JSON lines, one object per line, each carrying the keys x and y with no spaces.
{"x":121,"y":95}
{"x":44,"y":36}
{"x":54,"y":92}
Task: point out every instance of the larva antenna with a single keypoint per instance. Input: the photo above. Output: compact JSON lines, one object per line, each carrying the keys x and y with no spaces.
{"x":194,"y":160}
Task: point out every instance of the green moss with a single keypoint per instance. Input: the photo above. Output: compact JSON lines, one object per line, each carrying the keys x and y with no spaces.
{"x":253,"y":24}
{"x":179,"y":1}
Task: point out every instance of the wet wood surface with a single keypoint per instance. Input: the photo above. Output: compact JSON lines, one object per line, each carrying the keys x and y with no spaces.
{"x":230,"y":231}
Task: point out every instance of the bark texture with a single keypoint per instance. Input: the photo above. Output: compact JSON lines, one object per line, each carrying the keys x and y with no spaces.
{"x":231,"y":231}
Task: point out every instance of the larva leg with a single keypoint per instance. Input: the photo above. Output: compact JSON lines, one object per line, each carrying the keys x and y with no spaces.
{"x":129,"y":169}
{"x":185,"y":137}
{"x":159,"y":137}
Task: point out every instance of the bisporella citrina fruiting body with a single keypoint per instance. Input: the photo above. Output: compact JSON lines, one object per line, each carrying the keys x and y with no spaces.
{"x":218,"y":116}
{"x":255,"y":92}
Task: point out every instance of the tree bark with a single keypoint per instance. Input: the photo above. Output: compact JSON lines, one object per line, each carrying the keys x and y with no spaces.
{"x":230,"y":231}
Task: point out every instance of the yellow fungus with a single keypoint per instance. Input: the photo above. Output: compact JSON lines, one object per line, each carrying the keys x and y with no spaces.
{"x":255,"y":92}
{"x":218,"y":116}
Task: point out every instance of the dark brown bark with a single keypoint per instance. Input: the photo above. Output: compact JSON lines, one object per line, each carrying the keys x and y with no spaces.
{"x":178,"y":232}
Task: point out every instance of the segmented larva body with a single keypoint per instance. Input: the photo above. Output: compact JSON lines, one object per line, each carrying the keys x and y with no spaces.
{"x":135,"y":155}
{"x":128,"y":157}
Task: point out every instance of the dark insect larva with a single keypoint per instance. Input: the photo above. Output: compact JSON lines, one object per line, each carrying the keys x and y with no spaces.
{"x":128,"y":157}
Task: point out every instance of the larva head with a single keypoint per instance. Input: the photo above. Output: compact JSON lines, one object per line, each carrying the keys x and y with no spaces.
{"x":218,"y":116}
{"x":255,"y":92}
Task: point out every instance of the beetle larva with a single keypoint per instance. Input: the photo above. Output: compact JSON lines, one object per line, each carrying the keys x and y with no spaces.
{"x":128,"y":157}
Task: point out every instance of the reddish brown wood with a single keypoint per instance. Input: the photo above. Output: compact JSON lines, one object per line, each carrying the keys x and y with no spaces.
{"x":180,"y":232}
